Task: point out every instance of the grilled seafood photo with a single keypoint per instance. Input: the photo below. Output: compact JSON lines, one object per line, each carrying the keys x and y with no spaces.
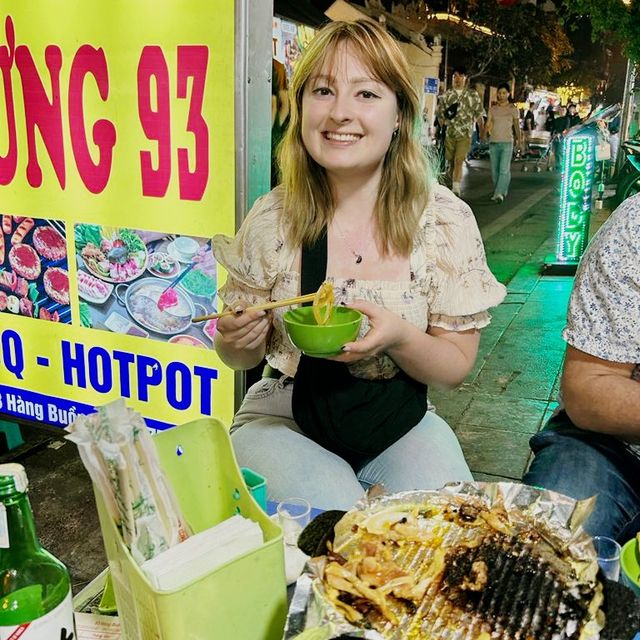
{"x":34,"y":280}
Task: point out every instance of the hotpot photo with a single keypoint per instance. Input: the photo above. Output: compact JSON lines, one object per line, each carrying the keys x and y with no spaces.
{"x":141,"y":301}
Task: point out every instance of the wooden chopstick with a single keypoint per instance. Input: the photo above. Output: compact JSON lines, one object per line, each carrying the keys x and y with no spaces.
{"x":259,"y":307}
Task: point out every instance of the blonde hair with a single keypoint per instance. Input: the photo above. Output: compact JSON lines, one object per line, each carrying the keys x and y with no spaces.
{"x":406,"y":173}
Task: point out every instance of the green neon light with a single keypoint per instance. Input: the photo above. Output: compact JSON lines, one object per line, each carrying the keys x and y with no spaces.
{"x":575,"y":197}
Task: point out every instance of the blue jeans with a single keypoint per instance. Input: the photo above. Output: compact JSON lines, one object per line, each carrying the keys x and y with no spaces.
{"x":583,"y":463}
{"x":266,"y":438}
{"x":500,"y":154}
{"x":475,"y":142}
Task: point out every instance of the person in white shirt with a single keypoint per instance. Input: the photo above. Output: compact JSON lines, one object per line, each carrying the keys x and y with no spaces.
{"x":592,"y":445}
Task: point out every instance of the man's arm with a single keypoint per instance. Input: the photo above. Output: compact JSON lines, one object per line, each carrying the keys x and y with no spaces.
{"x":600,"y":395}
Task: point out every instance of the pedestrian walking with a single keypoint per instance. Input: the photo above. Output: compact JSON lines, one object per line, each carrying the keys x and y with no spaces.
{"x":530,"y":118}
{"x":568,"y":118}
{"x":502,"y":124}
{"x":459,"y":109}
{"x":528,"y":127}
{"x":550,"y":117}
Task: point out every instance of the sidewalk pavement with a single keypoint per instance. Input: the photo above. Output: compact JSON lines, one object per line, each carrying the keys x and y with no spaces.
{"x":507,"y":397}
{"x":513,"y":388}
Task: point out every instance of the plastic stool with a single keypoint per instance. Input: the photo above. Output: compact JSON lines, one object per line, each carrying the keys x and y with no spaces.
{"x":12,"y":434}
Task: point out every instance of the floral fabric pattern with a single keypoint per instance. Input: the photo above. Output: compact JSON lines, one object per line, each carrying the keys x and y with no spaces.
{"x":449,"y":284}
{"x":604,"y":309}
{"x":605,"y":303}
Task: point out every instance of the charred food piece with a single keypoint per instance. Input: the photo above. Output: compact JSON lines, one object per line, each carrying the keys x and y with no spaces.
{"x":314,"y":537}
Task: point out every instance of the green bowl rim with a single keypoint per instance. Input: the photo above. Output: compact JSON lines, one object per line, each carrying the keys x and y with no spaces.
{"x":325,"y":326}
{"x":623,"y":553}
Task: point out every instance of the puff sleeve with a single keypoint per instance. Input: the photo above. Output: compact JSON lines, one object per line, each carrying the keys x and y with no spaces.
{"x":463,"y":288}
{"x":605,"y":301}
{"x":254,"y":258}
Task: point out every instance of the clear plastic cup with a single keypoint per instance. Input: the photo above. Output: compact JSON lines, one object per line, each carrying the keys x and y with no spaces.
{"x":294,"y":515}
{"x":608,"y":552}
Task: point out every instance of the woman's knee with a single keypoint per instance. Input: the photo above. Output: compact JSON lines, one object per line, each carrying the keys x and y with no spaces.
{"x":294,"y":465}
{"x":266,"y":398}
{"x":427,"y":457}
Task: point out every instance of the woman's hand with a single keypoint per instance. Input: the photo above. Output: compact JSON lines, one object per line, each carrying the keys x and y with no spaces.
{"x":385,"y":331}
{"x":245,"y":330}
{"x":437,"y":357}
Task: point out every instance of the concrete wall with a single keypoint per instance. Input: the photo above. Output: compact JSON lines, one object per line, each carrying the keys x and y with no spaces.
{"x":424,"y":65}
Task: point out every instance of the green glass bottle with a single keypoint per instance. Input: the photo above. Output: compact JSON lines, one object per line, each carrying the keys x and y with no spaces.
{"x":35,"y":590}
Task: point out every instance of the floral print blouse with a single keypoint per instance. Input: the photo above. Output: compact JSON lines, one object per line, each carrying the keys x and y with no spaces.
{"x":450,"y":285}
{"x":604,"y":310}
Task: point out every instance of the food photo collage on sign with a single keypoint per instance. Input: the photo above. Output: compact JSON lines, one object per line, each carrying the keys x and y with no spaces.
{"x":129,"y":281}
{"x":34,"y":280}
{"x":147,"y":284}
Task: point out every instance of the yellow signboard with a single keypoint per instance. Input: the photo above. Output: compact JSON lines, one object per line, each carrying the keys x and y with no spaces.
{"x":116,"y":168}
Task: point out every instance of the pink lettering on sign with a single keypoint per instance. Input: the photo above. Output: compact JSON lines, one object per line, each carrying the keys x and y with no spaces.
{"x":154,"y":110}
{"x":41,"y":112}
{"x":155,"y":118}
{"x":9,"y":161}
{"x":94,"y":175}
{"x":88,"y":71}
{"x":192,"y":63}
{"x":45,"y":114}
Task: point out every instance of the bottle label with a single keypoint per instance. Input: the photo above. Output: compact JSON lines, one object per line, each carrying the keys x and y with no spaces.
{"x":4,"y":529}
{"x":55,"y":625}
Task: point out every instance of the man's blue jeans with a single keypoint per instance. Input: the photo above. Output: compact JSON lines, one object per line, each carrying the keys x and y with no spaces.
{"x":583,"y":463}
{"x":500,"y":154}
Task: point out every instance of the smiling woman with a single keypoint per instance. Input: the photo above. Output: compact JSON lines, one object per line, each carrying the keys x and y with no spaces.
{"x":349,"y":116}
{"x":354,"y":81}
{"x":358,"y":207}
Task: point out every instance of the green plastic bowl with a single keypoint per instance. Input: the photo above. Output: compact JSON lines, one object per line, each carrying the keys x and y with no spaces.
{"x":322,"y":340}
{"x":630,"y":570}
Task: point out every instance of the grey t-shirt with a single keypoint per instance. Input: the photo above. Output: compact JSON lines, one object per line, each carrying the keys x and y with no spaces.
{"x":503,"y":122}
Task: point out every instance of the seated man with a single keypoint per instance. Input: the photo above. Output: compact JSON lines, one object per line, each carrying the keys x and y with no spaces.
{"x":592,"y":446}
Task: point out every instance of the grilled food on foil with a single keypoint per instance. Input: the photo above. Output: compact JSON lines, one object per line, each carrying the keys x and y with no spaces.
{"x":434,"y":565}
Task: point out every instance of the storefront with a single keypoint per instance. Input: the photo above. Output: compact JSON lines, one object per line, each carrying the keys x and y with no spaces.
{"x":120,"y":163}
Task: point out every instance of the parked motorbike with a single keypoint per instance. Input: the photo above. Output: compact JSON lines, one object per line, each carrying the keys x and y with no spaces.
{"x":629,"y":176}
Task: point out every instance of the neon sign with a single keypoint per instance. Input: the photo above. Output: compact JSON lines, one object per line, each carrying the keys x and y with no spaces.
{"x":575,"y":197}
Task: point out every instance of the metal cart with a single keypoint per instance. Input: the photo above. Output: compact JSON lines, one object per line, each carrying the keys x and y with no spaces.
{"x":538,"y":149}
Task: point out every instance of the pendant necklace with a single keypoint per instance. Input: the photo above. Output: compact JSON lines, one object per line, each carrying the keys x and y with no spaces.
{"x":359,"y":256}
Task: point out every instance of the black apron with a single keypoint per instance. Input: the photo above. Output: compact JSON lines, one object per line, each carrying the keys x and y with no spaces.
{"x":355,"y":418}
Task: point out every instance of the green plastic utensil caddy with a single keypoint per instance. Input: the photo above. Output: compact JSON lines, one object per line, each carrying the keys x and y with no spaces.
{"x":244,"y":599}
{"x":257,"y":486}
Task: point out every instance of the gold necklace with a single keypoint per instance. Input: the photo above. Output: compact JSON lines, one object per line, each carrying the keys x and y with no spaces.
{"x":359,"y":256}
